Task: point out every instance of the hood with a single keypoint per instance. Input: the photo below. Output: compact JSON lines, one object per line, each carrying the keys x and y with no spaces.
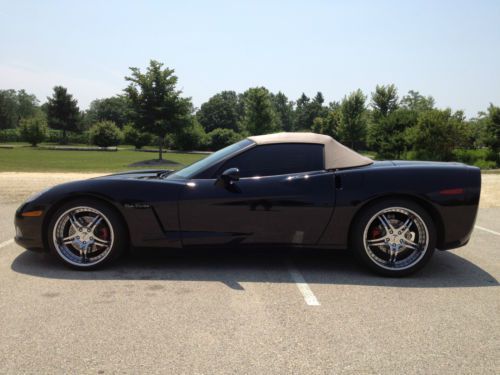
{"x":144,"y":174}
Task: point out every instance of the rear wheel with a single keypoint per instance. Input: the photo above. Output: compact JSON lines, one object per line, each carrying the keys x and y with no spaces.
{"x":394,"y":237}
{"x":86,"y":234}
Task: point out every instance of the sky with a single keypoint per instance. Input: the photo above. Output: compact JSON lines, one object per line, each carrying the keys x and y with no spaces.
{"x":447,"y":49}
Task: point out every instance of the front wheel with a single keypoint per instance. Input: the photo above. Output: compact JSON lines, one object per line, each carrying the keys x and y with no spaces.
{"x":86,"y":234}
{"x":394,"y":237}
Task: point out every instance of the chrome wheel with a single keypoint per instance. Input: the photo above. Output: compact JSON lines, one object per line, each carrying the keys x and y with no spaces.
{"x":83,"y":236}
{"x":396,"y":238}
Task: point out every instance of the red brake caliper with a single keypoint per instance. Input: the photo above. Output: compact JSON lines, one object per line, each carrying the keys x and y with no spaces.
{"x":104,"y":233}
{"x":375,"y":233}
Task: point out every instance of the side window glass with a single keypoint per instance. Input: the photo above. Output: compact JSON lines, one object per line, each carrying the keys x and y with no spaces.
{"x":278,"y":159}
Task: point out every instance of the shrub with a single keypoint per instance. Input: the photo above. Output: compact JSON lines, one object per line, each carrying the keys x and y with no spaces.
{"x":56,"y":136}
{"x":9,"y":135}
{"x":493,"y":132}
{"x":493,"y":156}
{"x":53,"y":136}
{"x":135,"y":137}
{"x":83,"y":137}
{"x":105,"y":134}
{"x":33,"y":130}
{"x":220,"y":138}
{"x":436,"y":134}
{"x":481,"y":158}
{"x":470,"y":156}
{"x":191,"y":137}
{"x":485,"y":164}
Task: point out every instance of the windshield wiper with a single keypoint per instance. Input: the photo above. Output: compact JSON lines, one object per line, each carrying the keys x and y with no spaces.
{"x":165,"y":173}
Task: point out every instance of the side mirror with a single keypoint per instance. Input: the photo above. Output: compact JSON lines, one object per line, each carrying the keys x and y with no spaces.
{"x":229,"y":176}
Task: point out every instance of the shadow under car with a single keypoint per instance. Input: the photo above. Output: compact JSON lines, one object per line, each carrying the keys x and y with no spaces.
{"x":233,"y":266}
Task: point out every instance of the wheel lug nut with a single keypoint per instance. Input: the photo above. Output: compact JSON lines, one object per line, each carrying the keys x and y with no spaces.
{"x":77,"y":237}
{"x":400,"y":241}
{"x":84,"y":242}
{"x":91,"y":238}
{"x":80,"y":229}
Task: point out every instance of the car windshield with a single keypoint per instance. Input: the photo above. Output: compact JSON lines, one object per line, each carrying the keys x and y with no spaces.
{"x":212,"y":159}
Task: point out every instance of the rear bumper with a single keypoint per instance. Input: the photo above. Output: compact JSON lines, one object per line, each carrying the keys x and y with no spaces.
{"x":453,"y":245}
{"x":458,"y":226}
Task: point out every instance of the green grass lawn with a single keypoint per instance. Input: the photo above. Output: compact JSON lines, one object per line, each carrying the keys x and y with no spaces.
{"x":23,"y":158}
{"x":52,"y":144}
{"x":28,"y":159}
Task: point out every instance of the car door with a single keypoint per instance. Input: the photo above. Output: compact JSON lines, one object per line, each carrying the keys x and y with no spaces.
{"x":284,"y":196}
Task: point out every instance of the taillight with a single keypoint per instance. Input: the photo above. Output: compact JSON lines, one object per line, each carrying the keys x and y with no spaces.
{"x":456,"y":191}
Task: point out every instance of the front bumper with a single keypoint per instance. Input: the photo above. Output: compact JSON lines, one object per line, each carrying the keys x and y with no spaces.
{"x":29,"y":229}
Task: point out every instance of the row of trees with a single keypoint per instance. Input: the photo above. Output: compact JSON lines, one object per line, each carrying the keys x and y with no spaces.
{"x":153,"y":111}
{"x":16,"y":105}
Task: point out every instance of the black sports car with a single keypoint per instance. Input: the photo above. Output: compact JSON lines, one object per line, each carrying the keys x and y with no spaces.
{"x":286,"y":189}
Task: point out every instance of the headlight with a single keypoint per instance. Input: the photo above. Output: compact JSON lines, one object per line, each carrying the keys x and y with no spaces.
{"x":36,"y":195}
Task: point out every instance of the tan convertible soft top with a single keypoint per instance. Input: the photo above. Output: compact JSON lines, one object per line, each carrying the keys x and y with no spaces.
{"x":337,"y":155}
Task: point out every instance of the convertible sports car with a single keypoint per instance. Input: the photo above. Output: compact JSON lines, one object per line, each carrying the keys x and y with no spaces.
{"x":285,"y":189}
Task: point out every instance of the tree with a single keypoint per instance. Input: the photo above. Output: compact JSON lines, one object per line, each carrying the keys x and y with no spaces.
{"x":465,"y":129}
{"x":8,"y":109}
{"x":260,"y":116}
{"x":105,"y":134}
{"x":386,"y":132}
{"x":15,"y":106}
{"x":284,"y":110}
{"x":493,"y":131}
{"x":220,"y":111}
{"x":27,"y":104}
{"x":158,"y":107}
{"x":63,"y":112}
{"x":135,"y":137}
{"x":33,"y":129}
{"x":478,"y":128}
{"x":301,"y":113}
{"x":329,"y":124}
{"x":352,"y":127}
{"x":416,"y":102}
{"x":115,"y":108}
{"x":316,"y":109}
{"x":387,"y":136}
{"x":384,"y":100}
{"x":220,"y":138}
{"x":436,"y":135}
{"x":307,"y":110}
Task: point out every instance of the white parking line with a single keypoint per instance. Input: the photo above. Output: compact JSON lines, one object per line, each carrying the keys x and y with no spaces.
{"x":6,"y":243}
{"x":488,"y":230}
{"x":304,"y":289}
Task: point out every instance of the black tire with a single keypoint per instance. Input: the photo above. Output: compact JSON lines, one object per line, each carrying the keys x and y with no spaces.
{"x":111,"y":220}
{"x":372,"y":256}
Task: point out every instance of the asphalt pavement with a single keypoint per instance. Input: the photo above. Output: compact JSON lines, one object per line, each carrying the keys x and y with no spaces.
{"x":251,"y":312}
